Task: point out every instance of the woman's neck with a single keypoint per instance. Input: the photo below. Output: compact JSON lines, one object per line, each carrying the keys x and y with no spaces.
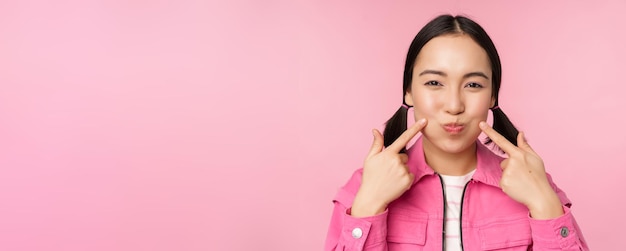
{"x":454,"y":164}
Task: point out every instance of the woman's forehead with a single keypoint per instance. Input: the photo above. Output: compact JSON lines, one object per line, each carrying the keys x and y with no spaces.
{"x":455,"y":53}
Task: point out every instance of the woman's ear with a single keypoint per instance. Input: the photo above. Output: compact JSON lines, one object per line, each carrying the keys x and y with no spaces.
{"x":408,"y":98}
{"x":493,"y":102}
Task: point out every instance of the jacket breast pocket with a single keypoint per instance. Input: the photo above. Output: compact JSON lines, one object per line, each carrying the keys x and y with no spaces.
{"x":513,"y":234}
{"x":406,"y":228}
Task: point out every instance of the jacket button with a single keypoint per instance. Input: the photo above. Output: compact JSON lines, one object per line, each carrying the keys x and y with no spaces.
{"x":564,"y":232}
{"x":357,"y":233}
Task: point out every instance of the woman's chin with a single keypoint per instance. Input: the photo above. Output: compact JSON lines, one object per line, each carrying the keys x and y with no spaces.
{"x":452,"y":145}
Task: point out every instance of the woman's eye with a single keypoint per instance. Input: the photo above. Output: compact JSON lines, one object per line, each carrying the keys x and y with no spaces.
{"x":474,"y":85}
{"x":433,"y":83}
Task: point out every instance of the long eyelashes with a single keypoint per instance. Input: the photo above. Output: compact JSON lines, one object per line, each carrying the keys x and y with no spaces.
{"x":433,"y":83}
{"x":474,"y":85}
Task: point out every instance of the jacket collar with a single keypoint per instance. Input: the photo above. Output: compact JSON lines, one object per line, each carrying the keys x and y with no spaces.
{"x":488,"y":169}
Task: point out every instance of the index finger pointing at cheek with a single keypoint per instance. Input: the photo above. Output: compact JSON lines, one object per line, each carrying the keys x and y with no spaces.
{"x":406,"y":136}
{"x":497,"y":138}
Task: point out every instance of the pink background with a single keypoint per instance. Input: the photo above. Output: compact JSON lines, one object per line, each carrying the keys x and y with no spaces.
{"x":194,"y":125}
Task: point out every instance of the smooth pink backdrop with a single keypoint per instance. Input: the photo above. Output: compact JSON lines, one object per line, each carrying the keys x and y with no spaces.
{"x":195,"y":125}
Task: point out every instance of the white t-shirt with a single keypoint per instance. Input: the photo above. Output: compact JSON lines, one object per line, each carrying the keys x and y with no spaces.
{"x":453,"y":188}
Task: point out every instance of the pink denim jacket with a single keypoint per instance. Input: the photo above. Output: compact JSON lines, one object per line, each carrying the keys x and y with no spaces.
{"x":490,"y":220}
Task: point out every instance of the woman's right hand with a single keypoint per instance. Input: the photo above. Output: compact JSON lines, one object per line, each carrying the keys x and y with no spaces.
{"x":386,"y":175}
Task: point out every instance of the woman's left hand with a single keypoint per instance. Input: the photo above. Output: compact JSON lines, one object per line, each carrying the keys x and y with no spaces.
{"x":524,"y":177}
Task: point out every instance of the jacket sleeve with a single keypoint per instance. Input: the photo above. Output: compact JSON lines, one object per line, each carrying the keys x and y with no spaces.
{"x":561,"y":233}
{"x":350,"y":233}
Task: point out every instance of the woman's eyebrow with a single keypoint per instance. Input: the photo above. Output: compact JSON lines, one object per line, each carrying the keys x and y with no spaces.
{"x":443,"y":74}
{"x":476,"y":74}
{"x":440,"y":73}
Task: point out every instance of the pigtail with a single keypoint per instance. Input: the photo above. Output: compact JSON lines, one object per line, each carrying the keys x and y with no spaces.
{"x":395,"y":126}
{"x":503,"y":126}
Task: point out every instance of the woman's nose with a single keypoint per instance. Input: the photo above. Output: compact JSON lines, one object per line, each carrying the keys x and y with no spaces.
{"x":453,"y":102}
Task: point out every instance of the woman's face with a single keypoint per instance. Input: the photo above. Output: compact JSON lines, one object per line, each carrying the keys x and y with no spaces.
{"x":452,"y":87}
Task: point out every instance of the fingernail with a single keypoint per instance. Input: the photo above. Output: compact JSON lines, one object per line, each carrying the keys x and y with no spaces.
{"x":482,"y":125}
{"x":524,"y":137}
{"x":421,"y":121}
